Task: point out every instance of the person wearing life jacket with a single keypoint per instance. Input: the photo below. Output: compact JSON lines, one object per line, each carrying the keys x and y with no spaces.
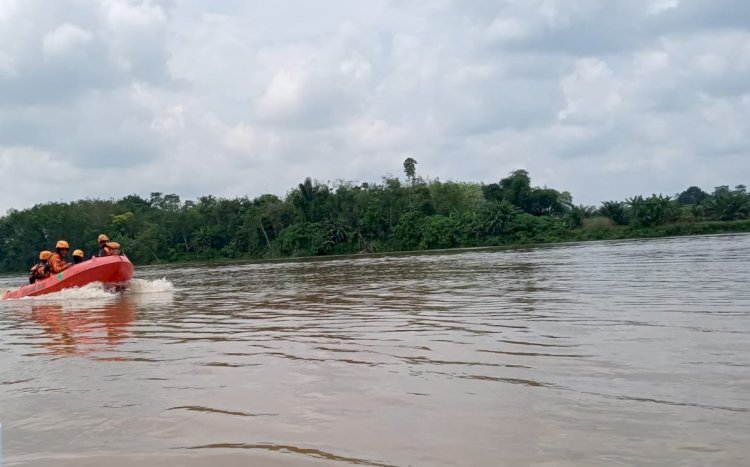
{"x":41,"y":269}
{"x":77,"y":256}
{"x":57,"y":263}
{"x":106,"y":247}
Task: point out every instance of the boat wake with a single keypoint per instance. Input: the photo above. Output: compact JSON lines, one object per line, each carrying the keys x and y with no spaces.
{"x":95,"y":290}
{"x":99,"y":291}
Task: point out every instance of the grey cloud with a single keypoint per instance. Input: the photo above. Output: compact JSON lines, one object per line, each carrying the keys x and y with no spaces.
{"x":607,"y":99}
{"x":58,"y":81}
{"x":693,"y":15}
{"x":97,"y":128}
{"x":593,"y":27}
{"x":107,"y":48}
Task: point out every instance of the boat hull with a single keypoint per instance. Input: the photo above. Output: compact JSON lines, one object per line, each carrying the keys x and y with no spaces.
{"x":107,"y":269}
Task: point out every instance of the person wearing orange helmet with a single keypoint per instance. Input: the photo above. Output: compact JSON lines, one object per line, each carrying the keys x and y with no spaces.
{"x":77,"y":256}
{"x":106,"y":247}
{"x":57,"y":263}
{"x":41,"y":269}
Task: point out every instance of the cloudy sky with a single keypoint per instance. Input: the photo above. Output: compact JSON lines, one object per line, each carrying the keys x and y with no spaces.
{"x":606,"y":99}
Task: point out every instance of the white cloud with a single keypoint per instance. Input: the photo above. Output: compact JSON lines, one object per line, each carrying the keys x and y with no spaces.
{"x":125,"y":15}
{"x":7,"y":8}
{"x":64,"y":38}
{"x":171,"y":120}
{"x":660,"y":6}
{"x":507,"y":30}
{"x":592,"y":92}
{"x":282,"y":95}
{"x":26,"y":171}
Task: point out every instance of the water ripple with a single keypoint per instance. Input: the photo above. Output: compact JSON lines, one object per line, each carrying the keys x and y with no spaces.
{"x":620,"y":353}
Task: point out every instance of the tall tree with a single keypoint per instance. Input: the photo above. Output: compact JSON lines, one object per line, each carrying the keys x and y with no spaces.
{"x":516,"y":188}
{"x":410,"y":170}
{"x":692,"y":195}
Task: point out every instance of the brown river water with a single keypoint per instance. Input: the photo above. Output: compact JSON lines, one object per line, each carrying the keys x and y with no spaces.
{"x":591,"y":354}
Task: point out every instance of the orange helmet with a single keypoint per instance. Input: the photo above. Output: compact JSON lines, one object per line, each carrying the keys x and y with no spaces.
{"x":78,"y":253}
{"x":102,"y":238}
{"x":44,"y":255}
{"x":62,"y":244}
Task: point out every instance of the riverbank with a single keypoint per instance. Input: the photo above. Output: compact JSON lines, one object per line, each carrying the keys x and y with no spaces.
{"x":612,"y":232}
{"x":322,"y":220}
{"x":589,"y":233}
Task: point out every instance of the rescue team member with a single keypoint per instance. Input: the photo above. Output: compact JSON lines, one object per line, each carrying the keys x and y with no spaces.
{"x":41,"y":269}
{"x":57,"y":262}
{"x":107,"y":248}
{"x":77,"y":256}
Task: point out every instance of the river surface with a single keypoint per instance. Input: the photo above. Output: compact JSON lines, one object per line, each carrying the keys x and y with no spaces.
{"x":591,"y":354}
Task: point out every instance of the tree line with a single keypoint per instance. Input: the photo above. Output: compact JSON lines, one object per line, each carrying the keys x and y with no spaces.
{"x":339,"y":218}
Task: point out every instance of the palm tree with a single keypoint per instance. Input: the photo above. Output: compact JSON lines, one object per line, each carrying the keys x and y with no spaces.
{"x":614,"y":211}
{"x":729,"y":205}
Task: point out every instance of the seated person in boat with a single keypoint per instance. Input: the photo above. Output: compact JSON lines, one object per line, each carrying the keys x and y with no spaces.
{"x":57,"y":263}
{"x":41,"y":269}
{"x":106,"y":247}
{"x":77,"y":256}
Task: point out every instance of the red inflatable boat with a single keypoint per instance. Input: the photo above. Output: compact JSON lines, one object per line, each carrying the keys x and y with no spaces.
{"x":107,"y":269}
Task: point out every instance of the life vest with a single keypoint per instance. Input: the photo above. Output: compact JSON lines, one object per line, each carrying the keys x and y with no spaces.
{"x":57,"y":264}
{"x":109,"y":249}
{"x":39,"y":271}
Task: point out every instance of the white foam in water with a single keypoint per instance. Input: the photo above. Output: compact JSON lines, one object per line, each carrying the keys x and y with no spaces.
{"x":140,"y":286}
{"x":97,"y":290}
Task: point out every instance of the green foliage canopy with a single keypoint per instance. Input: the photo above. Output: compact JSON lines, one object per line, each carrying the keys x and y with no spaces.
{"x":322,"y":219}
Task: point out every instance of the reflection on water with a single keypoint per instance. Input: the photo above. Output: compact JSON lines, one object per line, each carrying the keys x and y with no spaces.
{"x":611,"y":353}
{"x":82,"y":330}
{"x":84,"y":320}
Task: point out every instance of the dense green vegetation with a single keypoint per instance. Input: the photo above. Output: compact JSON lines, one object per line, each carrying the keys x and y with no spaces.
{"x":325,"y":219}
